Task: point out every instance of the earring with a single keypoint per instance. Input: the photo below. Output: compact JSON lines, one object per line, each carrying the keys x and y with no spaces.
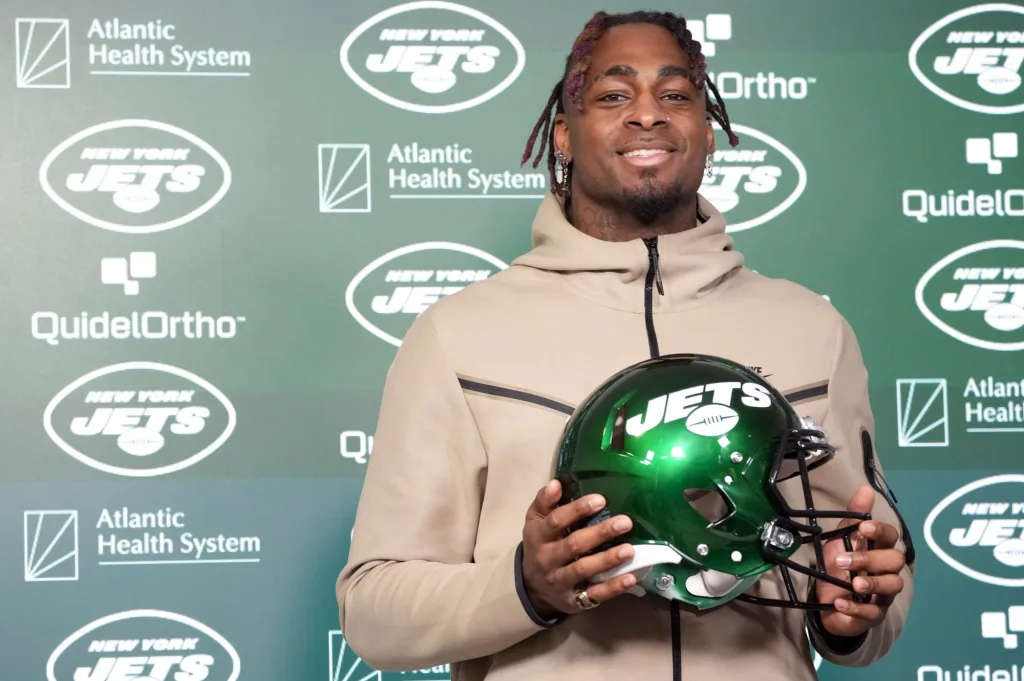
{"x":709,"y":165}
{"x":563,"y":167}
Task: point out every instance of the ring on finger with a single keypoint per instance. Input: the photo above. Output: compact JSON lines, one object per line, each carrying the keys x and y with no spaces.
{"x":584,"y":600}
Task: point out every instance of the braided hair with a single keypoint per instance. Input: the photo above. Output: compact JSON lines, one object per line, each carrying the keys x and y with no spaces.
{"x":570,"y":87}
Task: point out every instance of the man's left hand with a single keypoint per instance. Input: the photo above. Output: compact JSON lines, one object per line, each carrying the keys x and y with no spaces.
{"x":885,"y":562}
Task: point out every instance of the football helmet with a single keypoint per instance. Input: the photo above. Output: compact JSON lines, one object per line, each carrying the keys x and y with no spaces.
{"x":692,"y":448}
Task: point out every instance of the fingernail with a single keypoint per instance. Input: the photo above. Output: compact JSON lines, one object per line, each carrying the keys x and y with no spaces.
{"x":621,"y":525}
{"x":860,"y":584}
{"x":625,"y":552}
{"x":844,"y":560}
{"x":595,"y":503}
{"x":868,"y":527}
{"x":842,"y":604}
{"x":629,"y":581}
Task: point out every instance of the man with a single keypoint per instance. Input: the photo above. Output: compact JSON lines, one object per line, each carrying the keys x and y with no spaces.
{"x":458,"y":558}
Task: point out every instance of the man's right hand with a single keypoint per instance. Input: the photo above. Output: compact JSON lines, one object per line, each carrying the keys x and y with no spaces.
{"x":552,"y":570}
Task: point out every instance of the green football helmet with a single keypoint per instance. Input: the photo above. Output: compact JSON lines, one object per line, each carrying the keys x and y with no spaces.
{"x":692,"y":448}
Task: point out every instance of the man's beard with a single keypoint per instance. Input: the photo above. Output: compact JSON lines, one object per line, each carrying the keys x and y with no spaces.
{"x":652,"y":200}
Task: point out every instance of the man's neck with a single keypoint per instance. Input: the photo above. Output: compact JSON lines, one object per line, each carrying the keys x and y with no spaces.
{"x":610,"y":224}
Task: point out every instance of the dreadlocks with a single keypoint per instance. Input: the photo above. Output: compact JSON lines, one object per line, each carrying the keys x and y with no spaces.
{"x":570,"y":87}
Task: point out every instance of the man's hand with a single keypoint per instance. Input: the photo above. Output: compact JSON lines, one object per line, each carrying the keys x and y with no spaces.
{"x":884,"y":563}
{"x":551,"y":570}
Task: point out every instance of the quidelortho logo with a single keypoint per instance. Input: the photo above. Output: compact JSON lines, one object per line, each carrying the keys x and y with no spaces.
{"x":972,"y":58}
{"x":346,"y":665}
{"x":135,"y":176}
{"x":139,"y":419}
{"x":976,"y":295}
{"x":357,"y":446}
{"x":1004,"y":626}
{"x":144,"y":645}
{"x":990,"y":151}
{"x":978,"y":530}
{"x":389,"y":293}
{"x":995,"y":153}
{"x":432,"y":57}
{"x":715,"y":29}
{"x":115,"y":48}
{"x":127,"y":273}
{"x":755,"y":184}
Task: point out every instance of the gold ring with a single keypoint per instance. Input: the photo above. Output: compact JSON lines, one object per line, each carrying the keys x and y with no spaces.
{"x":584,"y":601}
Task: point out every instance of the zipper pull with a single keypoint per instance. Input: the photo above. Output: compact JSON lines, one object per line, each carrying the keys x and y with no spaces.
{"x":652,"y":248}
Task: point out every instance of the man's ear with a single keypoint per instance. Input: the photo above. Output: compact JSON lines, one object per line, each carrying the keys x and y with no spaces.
{"x":710,"y":135}
{"x":561,"y":136}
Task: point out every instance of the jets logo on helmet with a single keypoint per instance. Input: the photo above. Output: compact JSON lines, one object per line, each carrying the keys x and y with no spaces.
{"x":693,"y":448}
{"x":716,"y":418}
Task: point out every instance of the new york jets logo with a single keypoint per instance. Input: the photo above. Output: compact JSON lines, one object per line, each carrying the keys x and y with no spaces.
{"x":972,"y":58}
{"x":708,"y":408}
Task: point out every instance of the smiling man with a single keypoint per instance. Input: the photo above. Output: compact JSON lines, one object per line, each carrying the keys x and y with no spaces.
{"x":462,"y":553}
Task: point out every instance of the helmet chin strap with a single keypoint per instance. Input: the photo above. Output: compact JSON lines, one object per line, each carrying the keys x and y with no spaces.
{"x":705,"y":584}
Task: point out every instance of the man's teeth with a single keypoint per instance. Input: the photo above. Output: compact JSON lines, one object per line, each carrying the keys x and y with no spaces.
{"x":645,"y":152}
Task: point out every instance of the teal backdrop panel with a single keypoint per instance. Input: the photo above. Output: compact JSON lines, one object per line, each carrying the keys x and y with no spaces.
{"x":220,"y":219}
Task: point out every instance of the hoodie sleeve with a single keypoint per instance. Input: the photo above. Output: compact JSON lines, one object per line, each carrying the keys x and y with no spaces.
{"x":849,"y":424}
{"x":411,"y":595}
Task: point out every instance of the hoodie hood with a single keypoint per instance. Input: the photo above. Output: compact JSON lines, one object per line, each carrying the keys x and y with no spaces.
{"x":693,"y":263}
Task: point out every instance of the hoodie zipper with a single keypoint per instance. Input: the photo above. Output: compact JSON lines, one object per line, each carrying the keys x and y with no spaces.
{"x":653,"y":279}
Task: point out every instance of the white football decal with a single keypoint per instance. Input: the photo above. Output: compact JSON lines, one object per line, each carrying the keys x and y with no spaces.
{"x":1005,"y":317}
{"x":433,"y":79}
{"x":999,"y":80}
{"x":712,"y":420}
{"x":140,"y":441}
{"x":1010,"y":552}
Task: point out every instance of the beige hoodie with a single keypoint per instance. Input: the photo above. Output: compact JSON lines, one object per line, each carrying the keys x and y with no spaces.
{"x":473,"y":407}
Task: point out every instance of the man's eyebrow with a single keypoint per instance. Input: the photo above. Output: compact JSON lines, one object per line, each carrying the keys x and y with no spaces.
{"x":630,"y":72}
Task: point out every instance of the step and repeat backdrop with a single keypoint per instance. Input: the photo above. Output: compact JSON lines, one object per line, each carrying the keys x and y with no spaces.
{"x":219,"y":219}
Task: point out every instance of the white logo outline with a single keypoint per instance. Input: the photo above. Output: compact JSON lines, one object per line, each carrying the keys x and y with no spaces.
{"x":943,"y":326}
{"x":34,"y":568}
{"x":429,"y":108}
{"x":25,"y":77}
{"x":329,"y":202}
{"x":397,"y":253}
{"x":943,"y":505}
{"x":801,"y":183}
{"x":908,"y":435}
{"x":935,"y":28}
{"x":68,"y":449}
{"x":137,"y":123}
{"x":155,"y":614}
